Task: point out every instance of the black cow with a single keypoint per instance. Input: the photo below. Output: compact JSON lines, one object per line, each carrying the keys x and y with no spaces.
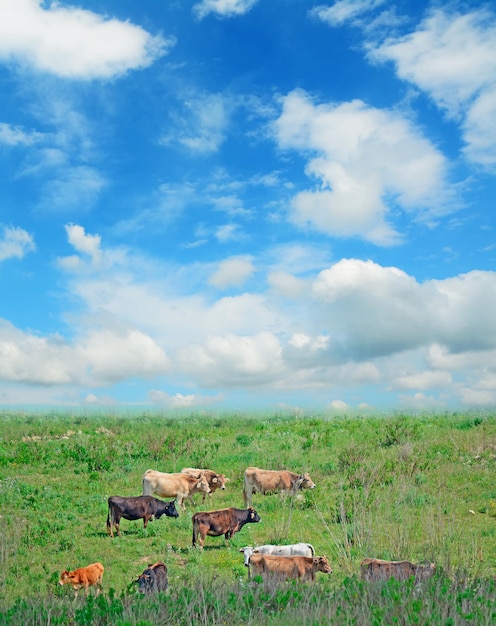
{"x":140,"y":507}
{"x":222,"y":522}
{"x":153,"y":579}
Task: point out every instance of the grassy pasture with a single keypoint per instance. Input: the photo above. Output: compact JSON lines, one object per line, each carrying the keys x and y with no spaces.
{"x":420,"y":488}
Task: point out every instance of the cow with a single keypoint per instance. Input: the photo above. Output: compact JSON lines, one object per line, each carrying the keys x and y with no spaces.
{"x":215,"y":481}
{"x":283,"y":567}
{"x":295,"y":549}
{"x":154,"y":578}
{"x":179,"y":486}
{"x":272,"y":481}
{"x":84,"y":577}
{"x":225,"y":522}
{"x":141,"y":507}
{"x":374,"y":570}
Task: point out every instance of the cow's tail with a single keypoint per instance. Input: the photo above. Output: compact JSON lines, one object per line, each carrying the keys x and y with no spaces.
{"x":246,"y":493}
{"x":147,"y":490}
{"x":110,"y":520}
{"x":312,"y":549}
{"x":195,"y":531}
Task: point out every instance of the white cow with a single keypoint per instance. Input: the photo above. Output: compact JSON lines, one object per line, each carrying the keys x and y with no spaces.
{"x":295,"y":549}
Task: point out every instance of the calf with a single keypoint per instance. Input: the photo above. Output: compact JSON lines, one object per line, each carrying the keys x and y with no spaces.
{"x":140,"y":507}
{"x":295,"y":549}
{"x":215,"y":481}
{"x":283,"y":567}
{"x":225,"y":522}
{"x":153,"y":579}
{"x":374,"y":570}
{"x":84,"y":577}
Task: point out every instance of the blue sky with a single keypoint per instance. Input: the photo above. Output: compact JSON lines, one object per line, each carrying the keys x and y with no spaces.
{"x":248,"y":204}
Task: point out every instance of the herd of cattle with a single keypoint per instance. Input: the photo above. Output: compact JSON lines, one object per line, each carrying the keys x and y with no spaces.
{"x":296,"y":561}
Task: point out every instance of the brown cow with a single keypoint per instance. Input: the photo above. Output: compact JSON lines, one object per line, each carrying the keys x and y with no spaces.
{"x":374,"y":570}
{"x":84,"y":577}
{"x":272,"y":481}
{"x":221,"y":522}
{"x":178,"y":486}
{"x":215,"y":481}
{"x":283,"y":567}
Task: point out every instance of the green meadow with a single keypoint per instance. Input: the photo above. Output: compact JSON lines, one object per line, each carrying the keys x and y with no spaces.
{"x":420,"y":488}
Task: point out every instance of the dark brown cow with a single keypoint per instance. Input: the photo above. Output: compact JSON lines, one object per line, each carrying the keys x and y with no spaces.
{"x":153,"y":579}
{"x":374,"y":570}
{"x":215,"y":481}
{"x":273,"y":481}
{"x":283,"y":567}
{"x":141,"y":507}
{"x":225,"y":522}
{"x":84,"y":577}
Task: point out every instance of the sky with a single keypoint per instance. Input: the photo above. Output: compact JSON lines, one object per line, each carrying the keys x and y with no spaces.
{"x":279,"y":205}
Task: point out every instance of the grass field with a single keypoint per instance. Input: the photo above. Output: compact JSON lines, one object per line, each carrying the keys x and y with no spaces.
{"x":420,"y":488}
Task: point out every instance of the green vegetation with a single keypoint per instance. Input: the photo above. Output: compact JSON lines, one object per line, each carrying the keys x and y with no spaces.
{"x":400,"y":487}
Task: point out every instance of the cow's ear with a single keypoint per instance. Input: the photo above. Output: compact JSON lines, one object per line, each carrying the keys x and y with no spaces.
{"x":316,"y":559}
{"x":226,"y":480}
{"x":214,"y":480}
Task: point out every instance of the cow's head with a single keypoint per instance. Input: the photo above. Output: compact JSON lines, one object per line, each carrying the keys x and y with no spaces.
{"x":425,"y":571}
{"x":322,"y":564}
{"x":253,"y":516}
{"x":64,"y":577}
{"x":202,"y":484}
{"x":247,"y":551}
{"x":220,"y":481}
{"x":305,"y":482}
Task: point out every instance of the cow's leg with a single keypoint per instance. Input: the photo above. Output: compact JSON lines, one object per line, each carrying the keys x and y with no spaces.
{"x":145,"y":521}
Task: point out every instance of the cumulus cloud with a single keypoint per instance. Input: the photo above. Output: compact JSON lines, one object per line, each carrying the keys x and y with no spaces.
{"x":232,"y":272}
{"x":73,"y":43}
{"x":223,"y":8}
{"x":182,"y":401}
{"x":368,"y":162}
{"x":15,"y":243}
{"x":101,"y":357}
{"x":451,"y":57}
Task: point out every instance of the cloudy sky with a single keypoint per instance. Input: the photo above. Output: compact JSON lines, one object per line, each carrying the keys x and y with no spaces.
{"x":248,"y":204}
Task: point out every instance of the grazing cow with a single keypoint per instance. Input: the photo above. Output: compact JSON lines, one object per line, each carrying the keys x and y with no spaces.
{"x":141,"y":507}
{"x":374,"y":570}
{"x":295,"y":549}
{"x":225,"y":522}
{"x":271,"y":481}
{"x":84,"y":577}
{"x":215,"y":481}
{"x":179,"y":486}
{"x":153,"y":579}
{"x":283,"y":567}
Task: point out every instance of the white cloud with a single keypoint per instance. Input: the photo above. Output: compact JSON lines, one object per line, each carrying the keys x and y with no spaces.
{"x":203,"y":123}
{"x":224,"y":8}
{"x":101,"y":357}
{"x":342,"y":11}
{"x":232,"y":272}
{"x":367,"y":163}
{"x":228,"y":232}
{"x":423,"y":380}
{"x":75,"y":188}
{"x":451,"y":57}
{"x":15,"y":243}
{"x":73,"y":43}
{"x":15,"y":135}
{"x":180,"y":401}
